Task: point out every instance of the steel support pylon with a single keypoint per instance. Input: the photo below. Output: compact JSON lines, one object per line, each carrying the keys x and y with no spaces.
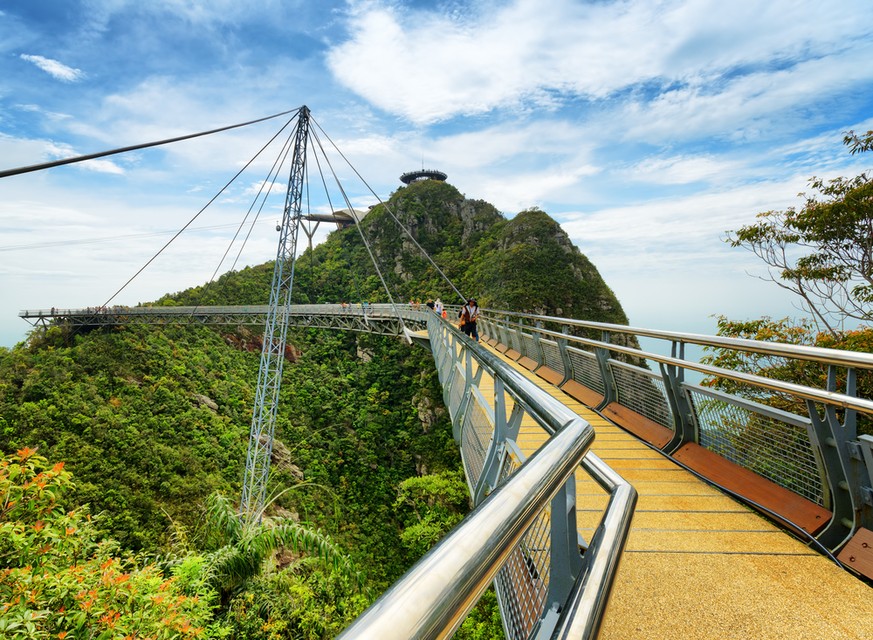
{"x":275,"y":331}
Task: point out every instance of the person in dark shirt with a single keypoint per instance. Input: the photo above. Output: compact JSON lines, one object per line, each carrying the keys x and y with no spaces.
{"x":469,"y":314}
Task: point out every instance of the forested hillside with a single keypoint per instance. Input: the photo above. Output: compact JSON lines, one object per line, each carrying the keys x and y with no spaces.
{"x":152,"y":423}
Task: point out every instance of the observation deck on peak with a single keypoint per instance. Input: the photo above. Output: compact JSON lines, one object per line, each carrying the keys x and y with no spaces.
{"x":424,"y":174}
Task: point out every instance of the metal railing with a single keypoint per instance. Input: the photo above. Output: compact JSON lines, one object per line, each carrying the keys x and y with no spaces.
{"x":817,"y":455}
{"x":384,"y":319}
{"x":522,"y":533}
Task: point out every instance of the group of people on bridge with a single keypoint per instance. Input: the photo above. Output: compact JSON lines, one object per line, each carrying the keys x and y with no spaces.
{"x":467,"y":315}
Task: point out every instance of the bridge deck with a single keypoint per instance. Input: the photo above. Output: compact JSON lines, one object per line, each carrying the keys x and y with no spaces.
{"x":699,"y":564}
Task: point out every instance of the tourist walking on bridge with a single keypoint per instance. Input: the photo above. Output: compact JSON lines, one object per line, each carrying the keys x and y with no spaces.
{"x":469,"y":314}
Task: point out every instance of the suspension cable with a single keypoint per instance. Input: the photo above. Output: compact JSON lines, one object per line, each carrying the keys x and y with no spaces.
{"x":277,"y":165}
{"x":284,"y":153}
{"x":187,"y":224}
{"x":358,"y":226}
{"x":391,"y":213}
{"x":102,"y":154}
{"x":357,"y":290}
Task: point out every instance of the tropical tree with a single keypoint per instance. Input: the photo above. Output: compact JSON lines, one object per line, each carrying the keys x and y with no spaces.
{"x":822,"y":252}
{"x":236,"y":549}
{"x":808,"y":373}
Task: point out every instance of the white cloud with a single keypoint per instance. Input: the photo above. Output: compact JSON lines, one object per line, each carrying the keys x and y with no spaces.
{"x":677,"y":233}
{"x":679,"y":170}
{"x":54,"y":68}
{"x":432,"y":66}
{"x":749,"y":106}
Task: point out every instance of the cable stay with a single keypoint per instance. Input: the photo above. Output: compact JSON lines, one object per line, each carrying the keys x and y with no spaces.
{"x":197,"y":215}
{"x":394,"y":217}
{"x":294,"y":146}
{"x":272,"y":176}
{"x":102,"y":154}
{"x":363,"y":236}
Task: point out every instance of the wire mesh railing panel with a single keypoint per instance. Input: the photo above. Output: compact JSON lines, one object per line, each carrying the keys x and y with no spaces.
{"x":485,"y":330}
{"x":522,"y":598}
{"x":530,"y":348}
{"x":489,"y":329}
{"x":586,"y":370}
{"x":642,"y":391}
{"x":769,"y":446}
{"x":512,"y":340}
{"x":456,"y":390}
{"x":552,"y":354}
{"x":444,"y":363}
{"x":503,"y":335}
{"x":475,"y":439}
{"x":522,"y":583}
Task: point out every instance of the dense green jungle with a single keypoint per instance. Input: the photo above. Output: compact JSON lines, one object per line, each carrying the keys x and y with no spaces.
{"x":124,"y":448}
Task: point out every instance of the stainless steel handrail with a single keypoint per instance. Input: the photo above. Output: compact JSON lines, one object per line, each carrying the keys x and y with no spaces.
{"x":583,"y":613}
{"x":435,"y":595}
{"x":802,"y":352}
{"x":847,"y":358}
{"x":432,"y":599}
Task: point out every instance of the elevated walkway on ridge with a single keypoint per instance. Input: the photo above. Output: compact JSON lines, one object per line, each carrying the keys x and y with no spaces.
{"x":699,"y":564}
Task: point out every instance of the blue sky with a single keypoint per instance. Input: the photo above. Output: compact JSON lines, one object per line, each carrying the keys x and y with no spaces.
{"x":646,"y":128}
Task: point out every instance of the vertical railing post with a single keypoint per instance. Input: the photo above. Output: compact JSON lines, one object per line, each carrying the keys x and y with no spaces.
{"x":490,"y":468}
{"x":563,"y":343}
{"x":610,"y":392}
{"x":865,"y":454}
{"x":683,"y":419}
{"x":832,"y":439}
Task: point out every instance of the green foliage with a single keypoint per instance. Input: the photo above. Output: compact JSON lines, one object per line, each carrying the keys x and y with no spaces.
{"x":822,"y":252}
{"x":529,"y":264}
{"x":429,"y":506}
{"x":355,"y":418}
{"x":58,"y":581}
{"x":300,"y":602}
{"x":238,"y":550}
{"x":483,"y":622}
{"x":526,"y":264}
{"x":155,"y":420}
{"x":150,"y":421}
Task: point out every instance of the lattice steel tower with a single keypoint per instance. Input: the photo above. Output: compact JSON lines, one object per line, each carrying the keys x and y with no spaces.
{"x":275,"y":331}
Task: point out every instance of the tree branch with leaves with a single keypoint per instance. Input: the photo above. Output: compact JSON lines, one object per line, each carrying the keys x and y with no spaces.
{"x":822,"y":252}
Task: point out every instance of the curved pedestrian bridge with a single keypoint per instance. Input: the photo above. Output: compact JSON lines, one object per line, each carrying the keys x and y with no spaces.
{"x":575,"y":439}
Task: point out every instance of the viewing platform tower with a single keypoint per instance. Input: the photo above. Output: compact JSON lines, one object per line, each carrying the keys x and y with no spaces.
{"x":424,"y":174}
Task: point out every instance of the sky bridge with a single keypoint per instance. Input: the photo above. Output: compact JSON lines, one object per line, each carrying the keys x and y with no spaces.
{"x":725,"y":529}
{"x":612,"y":496}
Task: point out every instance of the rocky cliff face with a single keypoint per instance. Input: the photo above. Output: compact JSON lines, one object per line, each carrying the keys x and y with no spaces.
{"x":526,"y":263}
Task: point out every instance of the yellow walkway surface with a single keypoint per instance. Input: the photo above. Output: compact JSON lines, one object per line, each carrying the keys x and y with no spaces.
{"x":699,"y":564}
